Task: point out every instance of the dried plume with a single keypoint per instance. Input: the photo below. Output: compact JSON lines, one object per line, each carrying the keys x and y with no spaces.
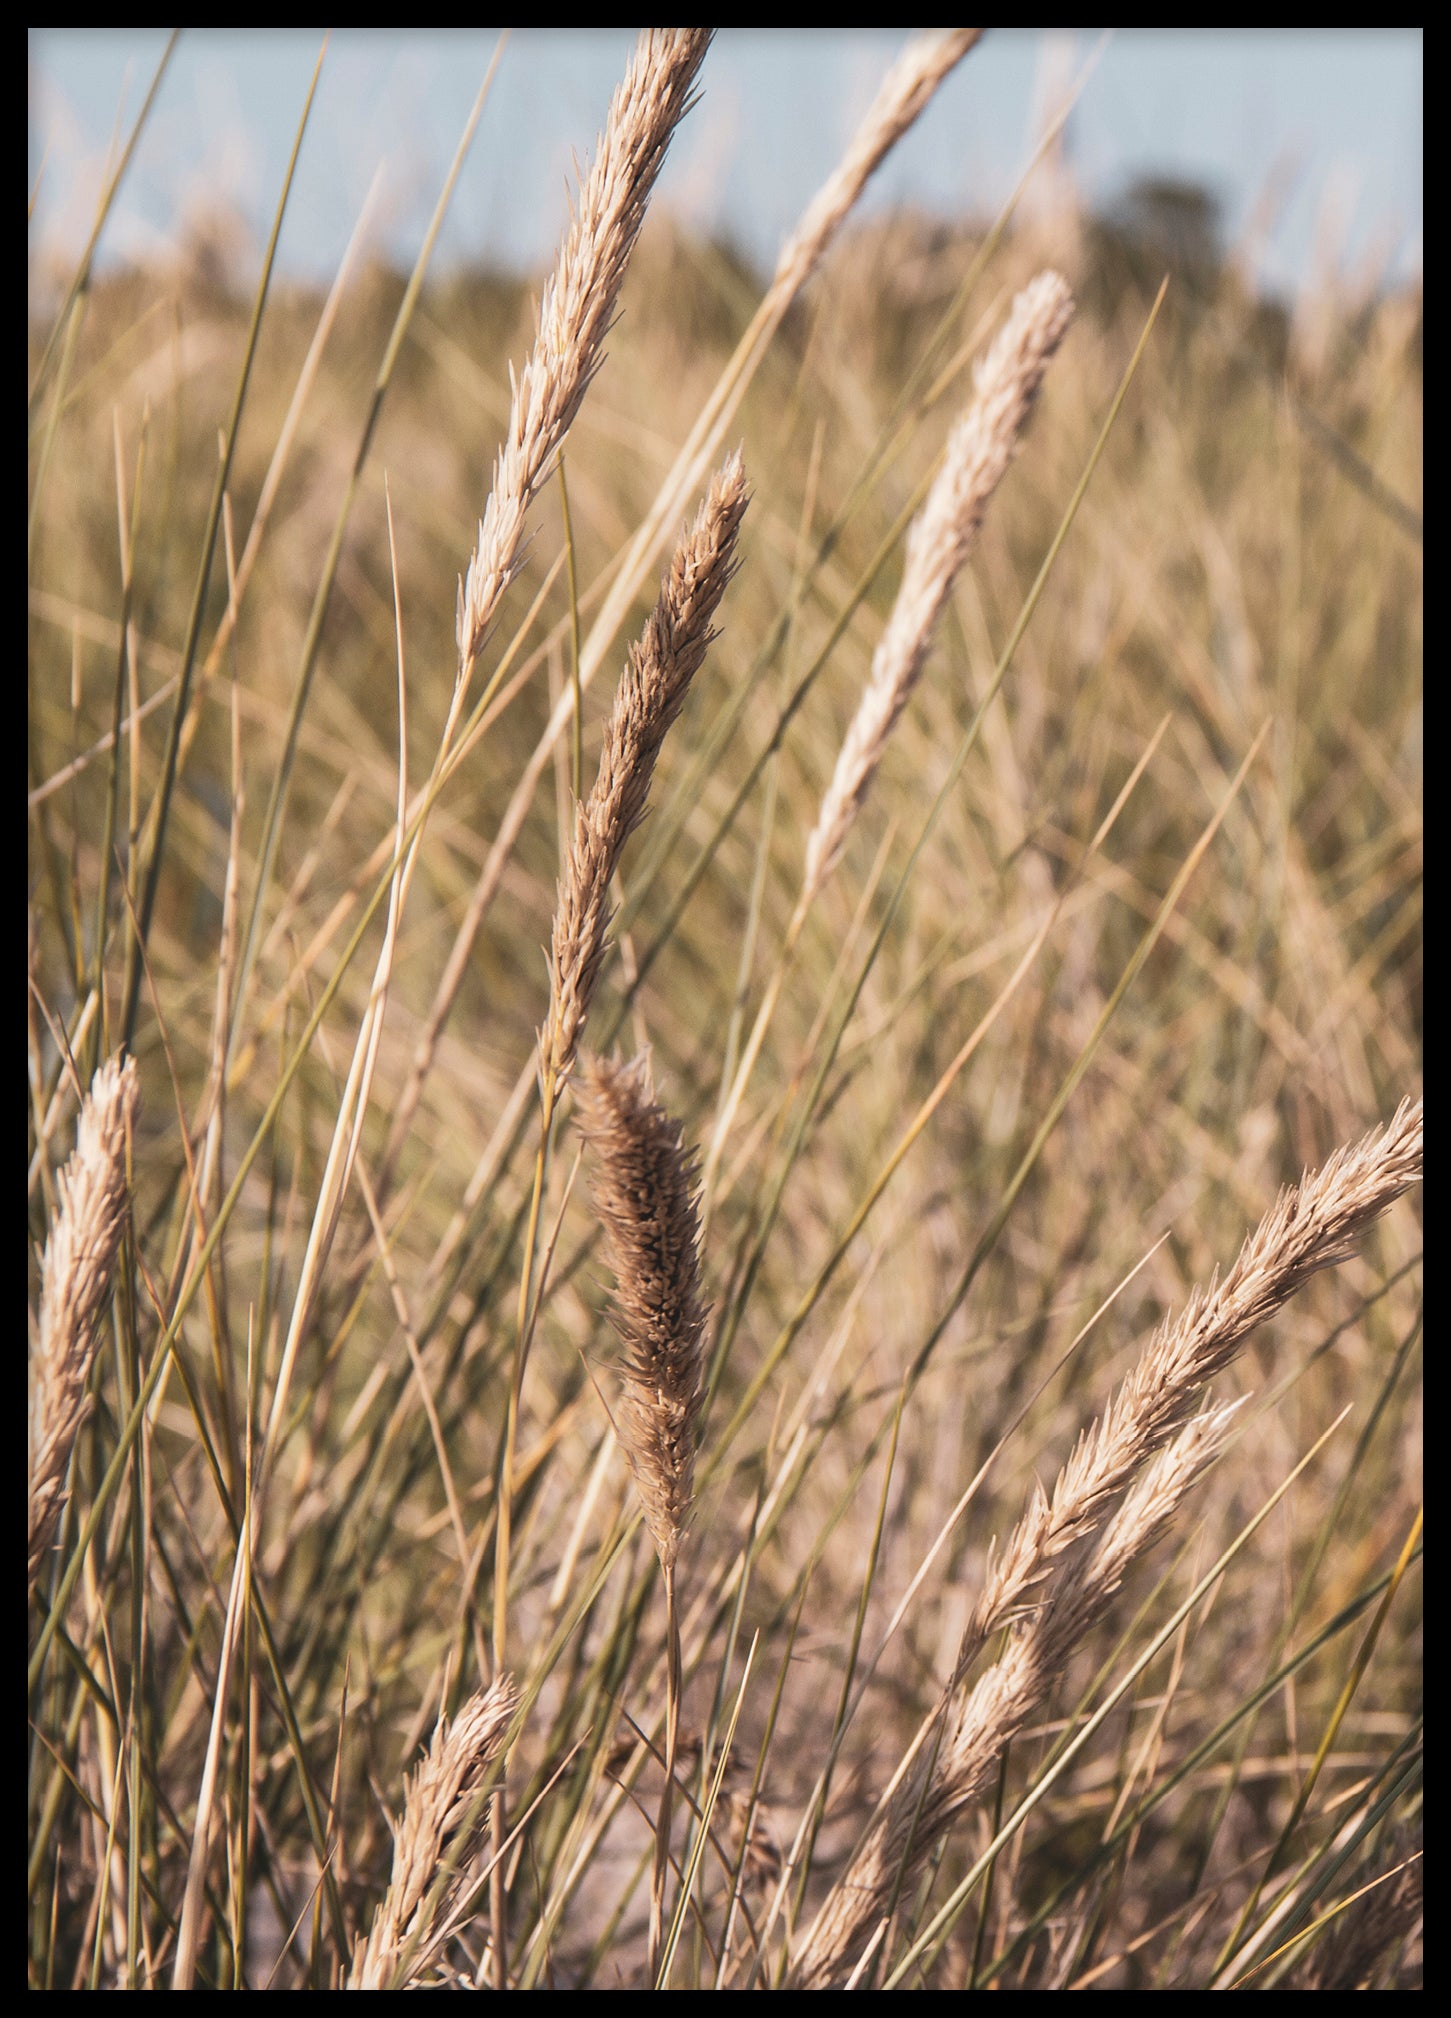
{"x":644,"y":1192}
{"x":74,"y":1285}
{"x":978,"y":453}
{"x":1311,"y":1226}
{"x":578,"y":307}
{"x":439,"y":1797}
{"x":952,"y":1774}
{"x":651,"y":694}
{"x":1115,"y":1496}
{"x":903,"y":94}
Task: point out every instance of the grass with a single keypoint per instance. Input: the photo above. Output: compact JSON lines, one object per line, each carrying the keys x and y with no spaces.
{"x":870,"y":1406}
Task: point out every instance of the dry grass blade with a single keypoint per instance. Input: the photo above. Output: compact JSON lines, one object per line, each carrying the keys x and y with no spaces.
{"x":651,"y":694}
{"x":578,"y":307}
{"x":1144,"y":1453}
{"x":75,"y":1282}
{"x":976,"y":459}
{"x":439,"y":1797}
{"x":643,"y":1189}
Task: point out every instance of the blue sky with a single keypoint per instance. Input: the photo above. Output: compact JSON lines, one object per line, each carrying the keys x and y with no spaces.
{"x":1311,"y":140}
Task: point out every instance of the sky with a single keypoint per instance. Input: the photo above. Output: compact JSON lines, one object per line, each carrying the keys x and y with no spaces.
{"x":1311,"y":140}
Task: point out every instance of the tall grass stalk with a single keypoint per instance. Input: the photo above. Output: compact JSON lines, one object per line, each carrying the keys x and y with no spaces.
{"x":651,"y":695}
{"x":974,"y":462}
{"x":643,"y":1194}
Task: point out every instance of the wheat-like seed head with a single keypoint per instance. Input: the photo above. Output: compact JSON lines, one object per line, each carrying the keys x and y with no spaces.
{"x":651,"y":694}
{"x":75,"y":1282}
{"x":644,"y":1191}
{"x":578,"y":307}
{"x":976,"y":458}
{"x":1120,"y":1488}
{"x":901,"y":97}
{"x":1311,"y":1226}
{"x":441,"y":1796}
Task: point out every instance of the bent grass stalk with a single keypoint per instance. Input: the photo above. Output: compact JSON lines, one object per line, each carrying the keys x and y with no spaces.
{"x":979,"y":450}
{"x":1117,"y":1491}
{"x":651,"y":695}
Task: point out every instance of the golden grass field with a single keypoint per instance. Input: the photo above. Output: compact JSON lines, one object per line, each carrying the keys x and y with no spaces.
{"x":370,"y":1386}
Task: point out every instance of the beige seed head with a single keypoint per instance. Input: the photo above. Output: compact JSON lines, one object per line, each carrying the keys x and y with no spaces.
{"x":1119,"y":1490}
{"x":578,"y":307}
{"x":978,"y":453}
{"x":441,"y":1797}
{"x":75,"y":1282}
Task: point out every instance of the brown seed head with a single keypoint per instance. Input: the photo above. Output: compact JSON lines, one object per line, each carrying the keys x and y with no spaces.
{"x":643,"y":1188}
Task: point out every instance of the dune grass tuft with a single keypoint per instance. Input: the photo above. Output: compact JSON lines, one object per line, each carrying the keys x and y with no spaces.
{"x":477,"y":1537}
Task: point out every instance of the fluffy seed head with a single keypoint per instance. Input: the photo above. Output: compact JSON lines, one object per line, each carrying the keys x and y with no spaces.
{"x":578,"y":307}
{"x":644,"y":1192}
{"x":75,"y":1282}
{"x":904,"y":92}
{"x":441,"y":1797}
{"x":1117,"y":1493}
{"x":651,"y":693}
{"x":940,"y":538}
